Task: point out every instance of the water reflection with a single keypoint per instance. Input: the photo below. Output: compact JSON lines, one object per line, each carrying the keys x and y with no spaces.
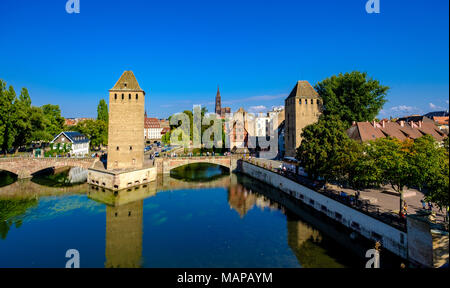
{"x":304,"y":240}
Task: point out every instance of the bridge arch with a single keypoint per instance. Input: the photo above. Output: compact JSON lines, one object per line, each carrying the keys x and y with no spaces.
{"x":28,"y":167}
{"x":168,"y":164}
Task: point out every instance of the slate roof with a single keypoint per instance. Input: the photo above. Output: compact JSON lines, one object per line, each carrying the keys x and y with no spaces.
{"x":74,"y":137}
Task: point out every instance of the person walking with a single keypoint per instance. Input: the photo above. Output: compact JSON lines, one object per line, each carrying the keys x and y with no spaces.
{"x":424,"y":204}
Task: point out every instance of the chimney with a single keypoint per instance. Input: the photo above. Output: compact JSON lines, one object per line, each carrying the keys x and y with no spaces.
{"x":413,"y":124}
{"x":354,"y":123}
{"x":374,"y":124}
{"x":383,"y":123}
{"x":420,"y":124}
{"x":402,"y":123}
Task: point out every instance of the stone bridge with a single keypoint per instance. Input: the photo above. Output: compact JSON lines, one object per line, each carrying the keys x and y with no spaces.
{"x":26,"y":167}
{"x":165,"y":165}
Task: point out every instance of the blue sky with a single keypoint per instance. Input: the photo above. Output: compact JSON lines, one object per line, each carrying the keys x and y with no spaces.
{"x":255,"y":50}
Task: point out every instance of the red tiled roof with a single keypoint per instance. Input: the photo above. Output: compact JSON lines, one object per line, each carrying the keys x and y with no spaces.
{"x":151,"y":123}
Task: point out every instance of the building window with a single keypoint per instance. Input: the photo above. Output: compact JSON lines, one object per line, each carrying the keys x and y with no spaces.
{"x":129,"y":96}
{"x":318,"y":101}
{"x":300,"y":102}
{"x":131,"y":148}
{"x":306,"y":101}
{"x":123,"y":96}
{"x":117,"y":148}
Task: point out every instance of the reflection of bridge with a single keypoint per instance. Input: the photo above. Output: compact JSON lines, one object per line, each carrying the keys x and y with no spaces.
{"x":26,"y":167}
{"x":167,"y":164}
{"x":25,"y":189}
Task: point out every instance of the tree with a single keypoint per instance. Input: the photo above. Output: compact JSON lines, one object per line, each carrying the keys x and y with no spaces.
{"x":392,"y":158}
{"x":352,"y":96}
{"x":22,"y":124}
{"x":102,"y":111}
{"x":429,"y":164}
{"x":55,"y":124}
{"x":7,"y":116}
{"x":95,"y":130}
{"x":323,"y":147}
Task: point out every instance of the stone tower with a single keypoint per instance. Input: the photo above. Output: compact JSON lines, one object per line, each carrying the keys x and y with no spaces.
{"x":126,"y":124}
{"x":302,"y":108}
{"x":218,"y":103}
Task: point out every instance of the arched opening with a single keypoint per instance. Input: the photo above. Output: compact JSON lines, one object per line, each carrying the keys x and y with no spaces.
{"x":199,"y":172}
{"x":7,"y":178}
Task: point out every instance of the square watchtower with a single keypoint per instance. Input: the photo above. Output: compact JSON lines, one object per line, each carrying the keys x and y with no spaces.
{"x":126,"y":124}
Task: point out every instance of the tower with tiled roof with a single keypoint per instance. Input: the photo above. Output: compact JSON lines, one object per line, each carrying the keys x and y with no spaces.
{"x":303,"y":107}
{"x":126,"y":124}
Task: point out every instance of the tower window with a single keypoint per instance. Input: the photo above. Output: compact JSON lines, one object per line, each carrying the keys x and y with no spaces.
{"x":123,"y":96}
{"x":129,"y":96}
{"x":312,"y":101}
{"x":131,"y":148}
{"x":117,"y":148}
{"x":115,"y":96}
{"x":306,"y":101}
{"x":318,"y":101}
{"x":137,"y":96}
{"x":300,"y":102}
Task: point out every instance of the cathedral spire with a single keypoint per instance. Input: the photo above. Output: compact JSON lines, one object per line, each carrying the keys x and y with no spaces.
{"x":218,"y":109}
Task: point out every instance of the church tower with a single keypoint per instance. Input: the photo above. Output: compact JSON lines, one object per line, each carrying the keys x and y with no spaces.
{"x":126,"y":124}
{"x":218,"y":103}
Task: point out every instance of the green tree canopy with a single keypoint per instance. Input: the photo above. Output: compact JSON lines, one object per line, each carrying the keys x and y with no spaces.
{"x":352,"y":96}
{"x":323,"y":146}
{"x":102,"y":111}
{"x":95,"y":130}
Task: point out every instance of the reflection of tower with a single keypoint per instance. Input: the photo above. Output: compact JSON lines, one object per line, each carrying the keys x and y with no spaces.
{"x":241,"y":200}
{"x":124,"y":235}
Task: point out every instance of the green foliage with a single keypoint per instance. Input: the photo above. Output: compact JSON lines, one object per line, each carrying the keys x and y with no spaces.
{"x":323,"y":147}
{"x":352,"y":96}
{"x":102,"y":111}
{"x":10,"y":210}
{"x":95,"y":130}
{"x":55,"y":122}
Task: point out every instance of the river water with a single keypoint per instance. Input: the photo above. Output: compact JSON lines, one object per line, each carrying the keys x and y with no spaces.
{"x":201,"y":216}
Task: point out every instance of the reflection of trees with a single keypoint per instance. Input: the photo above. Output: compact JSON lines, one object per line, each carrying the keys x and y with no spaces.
{"x":11,"y":209}
{"x":124,"y":235}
